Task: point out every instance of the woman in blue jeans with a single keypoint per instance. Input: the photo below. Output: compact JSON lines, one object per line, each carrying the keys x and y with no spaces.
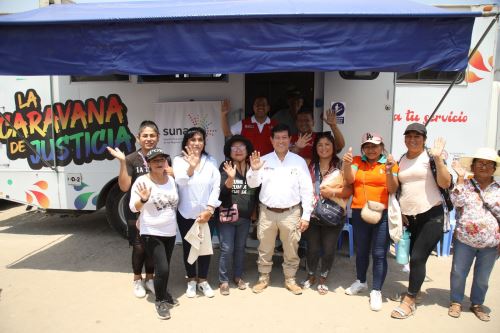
{"x":236,"y":196}
{"x":374,"y":176}
{"x":477,"y":234}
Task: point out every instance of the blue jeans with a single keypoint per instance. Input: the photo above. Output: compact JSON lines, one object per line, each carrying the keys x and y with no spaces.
{"x":233,"y":238}
{"x":374,"y":237}
{"x":463,"y":256}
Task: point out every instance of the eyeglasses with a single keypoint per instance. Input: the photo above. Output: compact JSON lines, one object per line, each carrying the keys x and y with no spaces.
{"x":238,"y":148}
{"x":484,"y":164}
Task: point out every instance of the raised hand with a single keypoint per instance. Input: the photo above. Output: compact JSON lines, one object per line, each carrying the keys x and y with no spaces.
{"x":458,"y":168}
{"x":116,"y":153}
{"x":303,"y":140}
{"x":230,"y":169}
{"x":225,"y":107}
{"x":330,"y":117}
{"x":438,"y":148}
{"x":390,"y":163}
{"x":189,"y":156}
{"x":143,"y":191}
{"x":347,"y":159}
{"x":255,"y":162}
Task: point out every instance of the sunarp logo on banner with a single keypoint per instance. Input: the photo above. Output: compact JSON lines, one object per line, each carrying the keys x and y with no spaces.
{"x":175,"y":118}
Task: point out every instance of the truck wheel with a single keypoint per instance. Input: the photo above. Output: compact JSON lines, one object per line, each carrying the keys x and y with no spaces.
{"x":115,"y":210}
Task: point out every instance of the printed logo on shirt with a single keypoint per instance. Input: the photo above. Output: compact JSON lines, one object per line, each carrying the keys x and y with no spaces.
{"x":294,"y":172}
{"x":164,"y":201}
{"x":249,"y":126}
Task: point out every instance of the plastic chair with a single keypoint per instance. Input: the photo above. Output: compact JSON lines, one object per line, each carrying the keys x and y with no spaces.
{"x":443,"y":247}
{"x":347,"y":227}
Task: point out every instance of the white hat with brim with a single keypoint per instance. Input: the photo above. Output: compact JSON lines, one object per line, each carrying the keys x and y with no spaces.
{"x":484,"y":154}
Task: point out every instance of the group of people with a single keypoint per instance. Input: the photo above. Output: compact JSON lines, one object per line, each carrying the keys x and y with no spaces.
{"x":269,"y":177}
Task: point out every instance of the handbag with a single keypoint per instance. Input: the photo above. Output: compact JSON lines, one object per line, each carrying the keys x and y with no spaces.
{"x":326,"y":212}
{"x":395,"y":219}
{"x":229,"y":215}
{"x":372,"y":211}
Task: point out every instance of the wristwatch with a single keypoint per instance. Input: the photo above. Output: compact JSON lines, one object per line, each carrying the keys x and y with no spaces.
{"x":144,"y":201}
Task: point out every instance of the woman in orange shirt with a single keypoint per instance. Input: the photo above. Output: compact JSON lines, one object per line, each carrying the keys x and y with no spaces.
{"x":374,"y":175}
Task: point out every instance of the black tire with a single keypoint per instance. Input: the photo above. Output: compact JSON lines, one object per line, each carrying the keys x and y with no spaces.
{"x":115,"y":210}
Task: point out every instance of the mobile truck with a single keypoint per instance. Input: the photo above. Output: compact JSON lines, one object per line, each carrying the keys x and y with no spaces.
{"x":79,"y":78}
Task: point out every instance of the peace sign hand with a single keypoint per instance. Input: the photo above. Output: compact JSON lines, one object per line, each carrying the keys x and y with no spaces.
{"x":255,"y":162}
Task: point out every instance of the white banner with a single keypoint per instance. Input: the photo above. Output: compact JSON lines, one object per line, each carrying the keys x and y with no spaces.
{"x":175,"y":118}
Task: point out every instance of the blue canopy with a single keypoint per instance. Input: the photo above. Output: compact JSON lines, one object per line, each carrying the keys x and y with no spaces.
{"x":228,"y":36}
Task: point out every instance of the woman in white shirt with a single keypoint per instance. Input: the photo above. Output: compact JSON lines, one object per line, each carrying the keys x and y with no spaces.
{"x":198,"y":179}
{"x":155,"y":196}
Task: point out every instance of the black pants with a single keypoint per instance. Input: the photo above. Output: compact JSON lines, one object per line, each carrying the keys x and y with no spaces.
{"x":160,"y":249}
{"x":203,"y":262}
{"x":426,"y":231}
{"x":139,"y":256}
{"x":321,"y":238}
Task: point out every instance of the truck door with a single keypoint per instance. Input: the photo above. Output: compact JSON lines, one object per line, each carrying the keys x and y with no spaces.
{"x":363,"y":102}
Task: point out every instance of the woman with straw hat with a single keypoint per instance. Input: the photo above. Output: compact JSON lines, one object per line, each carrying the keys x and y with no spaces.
{"x":477,"y":235}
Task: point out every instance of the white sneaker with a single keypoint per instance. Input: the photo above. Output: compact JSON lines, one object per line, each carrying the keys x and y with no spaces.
{"x":376,"y":300}
{"x":205,"y":288}
{"x":150,"y":285}
{"x":139,"y":290}
{"x":191,"y":289}
{"x":356,"y":288}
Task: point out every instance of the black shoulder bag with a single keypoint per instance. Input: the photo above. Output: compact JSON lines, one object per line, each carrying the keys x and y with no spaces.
{"x":445,"y":193}
{"x":326,"y":212}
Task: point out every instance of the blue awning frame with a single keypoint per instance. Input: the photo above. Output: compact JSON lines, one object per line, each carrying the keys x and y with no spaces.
{"x":253,"y":36}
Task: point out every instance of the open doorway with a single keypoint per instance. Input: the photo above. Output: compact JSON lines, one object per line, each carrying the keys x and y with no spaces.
{"x":275,"y":86}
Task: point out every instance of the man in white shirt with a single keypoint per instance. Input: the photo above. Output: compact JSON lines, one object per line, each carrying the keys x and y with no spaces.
{"x":286,"y":188}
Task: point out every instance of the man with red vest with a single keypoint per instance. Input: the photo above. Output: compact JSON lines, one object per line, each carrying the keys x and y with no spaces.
{"x":257,"y":128}
{"x":302,"y":142}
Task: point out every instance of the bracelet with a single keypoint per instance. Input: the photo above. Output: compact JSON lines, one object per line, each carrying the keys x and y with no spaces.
{"x":211,"y":210}
{"x":144,"y":201}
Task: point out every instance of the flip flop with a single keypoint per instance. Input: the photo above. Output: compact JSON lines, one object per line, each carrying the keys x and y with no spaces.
{"x":400,"y":313}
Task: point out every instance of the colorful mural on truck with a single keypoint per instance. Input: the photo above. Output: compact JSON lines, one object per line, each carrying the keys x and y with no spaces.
{"x":76,"y":131}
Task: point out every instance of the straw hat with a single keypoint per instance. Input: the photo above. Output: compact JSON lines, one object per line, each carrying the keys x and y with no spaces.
{"x":484,"y":154}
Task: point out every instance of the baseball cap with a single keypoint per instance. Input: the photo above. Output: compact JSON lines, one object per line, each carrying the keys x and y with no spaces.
{"x":416,"y":127}
{"x":372,"y":138}
{"x":155,"y":152}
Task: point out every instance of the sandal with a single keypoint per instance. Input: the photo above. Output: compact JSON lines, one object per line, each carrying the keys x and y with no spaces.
{"x":242,"y":285}
{"x":224,"y":288}
{"x":455,"y":309}
{"x":478,"y":310}
{"x":309,"y":282}
{"x":322,"y":289}
{"x":398,"y":297}
{"x":400,"y":313}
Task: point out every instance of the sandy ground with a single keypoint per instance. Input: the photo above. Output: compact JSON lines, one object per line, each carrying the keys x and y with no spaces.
{"x":65,"y":273}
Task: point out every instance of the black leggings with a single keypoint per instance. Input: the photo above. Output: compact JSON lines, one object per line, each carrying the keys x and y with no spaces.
{"x":321,"y":238}
{"x":426,"y":231}
{"x":203,"y":262}
{"x":139,"y":255}
{"x":160,"y":249}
